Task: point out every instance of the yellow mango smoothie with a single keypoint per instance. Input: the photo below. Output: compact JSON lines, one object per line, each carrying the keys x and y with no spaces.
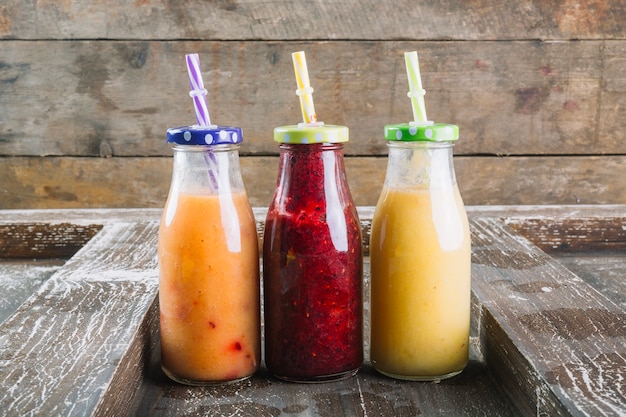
{"x":420,"y":283}
{"x":209,"y":288}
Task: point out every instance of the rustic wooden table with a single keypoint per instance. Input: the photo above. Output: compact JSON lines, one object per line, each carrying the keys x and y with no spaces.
{"x":79,"y":323}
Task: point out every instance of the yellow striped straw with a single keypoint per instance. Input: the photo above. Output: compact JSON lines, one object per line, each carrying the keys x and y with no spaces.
{"x":416,"y":92}
{"x":304,"y":91}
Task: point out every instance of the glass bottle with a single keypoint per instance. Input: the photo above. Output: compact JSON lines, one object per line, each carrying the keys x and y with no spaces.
{"x":420,"y":259}
{"x":312,"y":261}
{"x":209,"y":285}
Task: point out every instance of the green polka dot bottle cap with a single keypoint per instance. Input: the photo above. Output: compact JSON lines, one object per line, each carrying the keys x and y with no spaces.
{"x":205,"y":135}
{"x":311,"y":133}
{"x":410,"y":132}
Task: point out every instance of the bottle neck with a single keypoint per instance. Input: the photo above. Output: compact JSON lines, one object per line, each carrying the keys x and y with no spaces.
{"x":310,"y":164}
{"x":199,"y":169}
{"x":312,"y":148}
{"x":311,"y":173}
{"x":427,"y":165}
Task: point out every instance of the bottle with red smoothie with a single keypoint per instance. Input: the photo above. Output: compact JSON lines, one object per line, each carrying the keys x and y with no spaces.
{"x":312,"y":260}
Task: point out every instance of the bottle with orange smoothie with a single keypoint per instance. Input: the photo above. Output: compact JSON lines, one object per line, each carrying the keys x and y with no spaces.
{"x":420,"y":259}
{"x":209,"y":262}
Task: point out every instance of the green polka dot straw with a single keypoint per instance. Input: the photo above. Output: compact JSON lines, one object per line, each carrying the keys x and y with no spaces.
{"x":420,"y":129}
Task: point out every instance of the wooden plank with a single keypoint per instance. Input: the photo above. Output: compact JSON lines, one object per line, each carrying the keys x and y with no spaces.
{"x":346,"y":19}
{"x":39,"y":240}
{"x":604,"y":272}
{"x":613,"y":90}
{"x":541,"y":180}
{"x":471,"y":394}
{"x":62,"y":360}
{"x":117,"y":98}
{"x":19,"y":279}
{"x":144,"y":182}
{"x":560,"y":347}
{"x":516,"y":213}
{"x":95,"y":216}
{"x":587,"y":235}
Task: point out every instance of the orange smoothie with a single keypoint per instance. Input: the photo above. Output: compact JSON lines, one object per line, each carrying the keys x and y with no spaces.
{"x":420,"y":283}
{"x":209,"y":289}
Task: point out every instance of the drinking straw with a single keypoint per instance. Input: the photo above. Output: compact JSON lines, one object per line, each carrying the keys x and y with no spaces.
{"x":416,"y":92}
{"x":198,"y":92}
{"x":304,"y":91}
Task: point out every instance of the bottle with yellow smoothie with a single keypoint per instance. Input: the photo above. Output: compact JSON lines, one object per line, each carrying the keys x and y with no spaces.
{"x":209,"y":286}
{"x":420,"y":258}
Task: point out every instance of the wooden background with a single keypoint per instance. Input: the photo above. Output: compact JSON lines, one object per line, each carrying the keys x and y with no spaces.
{"x":88,"y":88}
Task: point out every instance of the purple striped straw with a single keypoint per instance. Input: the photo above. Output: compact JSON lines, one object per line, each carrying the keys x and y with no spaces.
{"x":198,"y":92}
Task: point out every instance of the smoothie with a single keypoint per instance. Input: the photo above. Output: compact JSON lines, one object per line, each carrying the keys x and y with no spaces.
{"x":420,"y":259}
{"x":209,"y":289}
{"x":312,"y":270}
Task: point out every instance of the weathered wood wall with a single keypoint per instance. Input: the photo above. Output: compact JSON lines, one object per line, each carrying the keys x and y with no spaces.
{"x":88,"y":88}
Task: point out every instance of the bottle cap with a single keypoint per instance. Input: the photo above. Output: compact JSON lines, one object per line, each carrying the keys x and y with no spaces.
{"x":413,"y":132}
{"x":205,"y":135}
{"x":311,"y":133}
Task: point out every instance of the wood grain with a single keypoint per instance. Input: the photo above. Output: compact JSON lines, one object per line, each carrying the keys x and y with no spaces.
{"x":368,"y":394}
{"x":564,"y":342}
{"x":62,"y":182}
{"x":579,"y":235}
{"x":94,"y":78}
{"x":603,"y":271}
{"x":44,"y":240}
{"x":117,"y":98}
{"x":19,"y":279}
{"x":85,"y":341}
{"x":62,"y":360}
{"x":316,"y":19}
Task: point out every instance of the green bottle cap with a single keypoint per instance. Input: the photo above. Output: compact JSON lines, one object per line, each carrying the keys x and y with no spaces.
{"x":310,"y":133}
{"x":413,"y":132}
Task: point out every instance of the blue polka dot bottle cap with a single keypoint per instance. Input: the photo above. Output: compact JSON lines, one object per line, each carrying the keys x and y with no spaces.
{"x":408,"y":132}
{"x":311,"y":133}
{"x":205,"y":135}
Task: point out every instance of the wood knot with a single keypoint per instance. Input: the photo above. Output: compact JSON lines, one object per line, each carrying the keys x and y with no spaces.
{"x":105,"y":149}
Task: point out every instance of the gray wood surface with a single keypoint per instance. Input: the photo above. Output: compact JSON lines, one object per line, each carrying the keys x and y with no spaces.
{"x":19,"y":279}
{"x":68,"y":343}
{"x":545,"y":339}
{"x":574,"y":334}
